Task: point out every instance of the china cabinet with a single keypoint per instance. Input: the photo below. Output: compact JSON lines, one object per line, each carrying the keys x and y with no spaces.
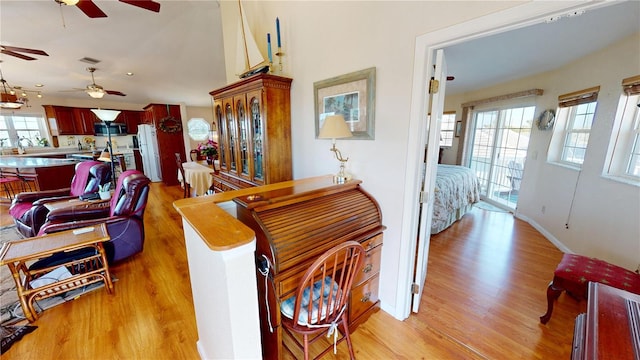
{"x":252,"y":118}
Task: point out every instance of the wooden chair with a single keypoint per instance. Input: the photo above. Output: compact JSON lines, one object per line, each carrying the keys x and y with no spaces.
{"x":186,"y":186}
{"x":194,"y":155}
{"x":321,"y":299}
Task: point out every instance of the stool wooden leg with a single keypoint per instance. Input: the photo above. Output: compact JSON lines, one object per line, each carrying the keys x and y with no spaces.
{"x":552,"y":296}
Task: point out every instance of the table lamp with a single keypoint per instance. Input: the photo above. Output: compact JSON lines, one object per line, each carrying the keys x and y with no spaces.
{"x":335,"y":127}
{"x":108,"y":116}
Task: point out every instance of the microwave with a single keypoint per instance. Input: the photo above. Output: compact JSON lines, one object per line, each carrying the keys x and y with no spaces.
{"x":100,"y":129}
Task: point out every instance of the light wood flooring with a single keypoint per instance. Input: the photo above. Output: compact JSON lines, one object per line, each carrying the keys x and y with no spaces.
{"x":485,"y":290}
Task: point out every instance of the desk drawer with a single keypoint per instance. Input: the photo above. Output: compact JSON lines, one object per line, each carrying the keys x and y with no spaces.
{"x":363,"y":298}
{"x":370,"y":265}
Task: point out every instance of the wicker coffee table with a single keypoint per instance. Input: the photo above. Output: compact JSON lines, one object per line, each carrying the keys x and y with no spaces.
{"x":89,"y":269}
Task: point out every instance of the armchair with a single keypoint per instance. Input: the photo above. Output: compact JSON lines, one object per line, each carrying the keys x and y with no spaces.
{"x":124,"y":217}
{"x":28,"y":208}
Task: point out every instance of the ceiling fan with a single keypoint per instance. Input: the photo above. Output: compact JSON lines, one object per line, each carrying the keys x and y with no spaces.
{"x":96,"y":91}
{"x":93,"y":11}
{"x":15,"y":51}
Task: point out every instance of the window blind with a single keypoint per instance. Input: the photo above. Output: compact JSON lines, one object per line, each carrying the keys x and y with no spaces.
{"x":579,"y":97}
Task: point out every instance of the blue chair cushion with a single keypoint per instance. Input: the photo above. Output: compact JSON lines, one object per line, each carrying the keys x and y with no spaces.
{"x":287,"y":306}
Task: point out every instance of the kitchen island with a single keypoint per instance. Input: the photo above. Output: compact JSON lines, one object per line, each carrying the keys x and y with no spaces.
{"x":46,"y":173}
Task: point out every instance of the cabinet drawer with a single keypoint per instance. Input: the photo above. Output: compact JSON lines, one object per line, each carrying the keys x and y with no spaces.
{"x":372,"y":242}
{"x":363,"y":298}
{"x":370,"y":265}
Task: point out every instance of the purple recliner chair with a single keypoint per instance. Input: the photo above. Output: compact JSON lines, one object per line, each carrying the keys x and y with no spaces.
{"x":28,"y":208}
{"x":124,"y":217}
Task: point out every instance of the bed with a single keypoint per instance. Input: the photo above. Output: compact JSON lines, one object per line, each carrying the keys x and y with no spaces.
{"x":457,"y":189}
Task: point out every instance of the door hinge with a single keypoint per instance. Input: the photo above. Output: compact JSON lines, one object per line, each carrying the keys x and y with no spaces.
{"x":434,"y":85}
{"x":415,"y":288}
{"x":423,"y":197}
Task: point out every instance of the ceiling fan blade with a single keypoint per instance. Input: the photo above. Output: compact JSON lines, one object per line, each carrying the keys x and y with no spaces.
{"x":113,"y":92}
{"x":90,"y":9}
{"x":24,"y":50}
{"x":145,"y":4}
{"x":25,"y":57}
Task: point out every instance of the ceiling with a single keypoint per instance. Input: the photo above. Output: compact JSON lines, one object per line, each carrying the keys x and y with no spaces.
{"x":176,"y":55}
{"x":538,"y":48}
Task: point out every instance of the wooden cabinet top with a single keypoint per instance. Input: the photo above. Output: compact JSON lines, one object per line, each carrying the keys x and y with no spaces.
{"x":253,"y":82}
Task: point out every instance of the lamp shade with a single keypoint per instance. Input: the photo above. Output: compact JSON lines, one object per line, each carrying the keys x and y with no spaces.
{"x":334,"y":127}
{"x":105,"y":156}
{"x":106,"y":115}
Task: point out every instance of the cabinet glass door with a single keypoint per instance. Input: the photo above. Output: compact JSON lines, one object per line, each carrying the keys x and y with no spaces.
{"x":243,"y":137}
{"x":256,"y":127}
{"x":221,"y":126}
{"x":230,"y":120}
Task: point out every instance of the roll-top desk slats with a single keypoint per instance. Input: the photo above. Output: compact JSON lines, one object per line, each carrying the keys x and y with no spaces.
{"x":294,"y":228}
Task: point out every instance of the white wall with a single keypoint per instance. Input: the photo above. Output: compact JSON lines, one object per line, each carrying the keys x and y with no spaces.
{"x":324,"y":39}
{"x":603,"y":222}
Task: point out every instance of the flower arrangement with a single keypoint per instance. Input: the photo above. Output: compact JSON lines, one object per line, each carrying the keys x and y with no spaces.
{"x":209,"y":148}
{"x":90,"y":142}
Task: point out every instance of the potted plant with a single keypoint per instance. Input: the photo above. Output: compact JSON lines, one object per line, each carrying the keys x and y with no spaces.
{"x":209,"y":149}
{"x":103,"y":191}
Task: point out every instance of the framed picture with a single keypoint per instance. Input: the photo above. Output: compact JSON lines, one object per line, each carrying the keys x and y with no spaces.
{"x":351,"y":95}
{"x":458,"y":128}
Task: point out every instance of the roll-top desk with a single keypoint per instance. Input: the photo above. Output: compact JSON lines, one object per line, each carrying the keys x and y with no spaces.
{"x":610,"y":329}
{"x":292,"y":229}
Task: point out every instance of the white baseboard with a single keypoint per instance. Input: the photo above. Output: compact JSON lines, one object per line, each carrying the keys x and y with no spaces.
{"x":562,"y":247}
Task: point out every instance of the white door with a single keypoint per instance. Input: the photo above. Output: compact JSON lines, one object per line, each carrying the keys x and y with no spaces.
{"x":436,"y":108}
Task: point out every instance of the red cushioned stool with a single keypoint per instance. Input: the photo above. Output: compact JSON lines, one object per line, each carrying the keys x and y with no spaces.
{"x":574,"y":273}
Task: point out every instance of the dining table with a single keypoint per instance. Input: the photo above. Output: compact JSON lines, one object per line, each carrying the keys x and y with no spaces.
{"x":198,"y":176}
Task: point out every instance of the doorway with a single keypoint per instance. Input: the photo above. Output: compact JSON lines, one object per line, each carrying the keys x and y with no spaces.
{"x":426,"y":46}
{"x":499,"y":142}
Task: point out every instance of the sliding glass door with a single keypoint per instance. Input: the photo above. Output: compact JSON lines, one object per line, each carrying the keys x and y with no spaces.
{"x":499,"y":141}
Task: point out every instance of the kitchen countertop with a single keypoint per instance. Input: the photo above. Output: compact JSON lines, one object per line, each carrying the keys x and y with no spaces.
{"x":18,"y":162}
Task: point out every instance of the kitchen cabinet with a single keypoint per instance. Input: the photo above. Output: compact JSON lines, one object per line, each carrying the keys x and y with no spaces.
{"x":131,"y":118}
{"x":84,"y":120}
{"x":64,"y":118}
{"x":253,"y":120}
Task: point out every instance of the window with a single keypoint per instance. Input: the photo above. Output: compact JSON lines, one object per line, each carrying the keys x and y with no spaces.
{"x":198,"y":129}
{"x":577,"y":111}
{"x":29,"y":130}
{"x":447,"y":129}
{"x":623,"y":157}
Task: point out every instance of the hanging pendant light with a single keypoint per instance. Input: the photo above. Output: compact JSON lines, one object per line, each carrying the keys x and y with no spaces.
{"x":8,"y":98}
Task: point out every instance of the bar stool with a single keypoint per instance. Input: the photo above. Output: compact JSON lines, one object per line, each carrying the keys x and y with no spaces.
{"x":7,"y":182}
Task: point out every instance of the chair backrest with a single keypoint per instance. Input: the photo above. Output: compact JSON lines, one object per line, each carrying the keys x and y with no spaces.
{"x":323,"y":292}
{"x":131,"y":193}
{"x":179,"y":164}
{"x":100,"y":175}
{"x":82,"y":182}
{"x":194,"y":155}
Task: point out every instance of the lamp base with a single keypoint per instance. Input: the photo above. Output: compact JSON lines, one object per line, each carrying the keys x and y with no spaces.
{"x":341,"y":179}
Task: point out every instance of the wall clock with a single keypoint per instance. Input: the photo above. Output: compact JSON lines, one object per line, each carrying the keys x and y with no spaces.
{"x":546,"y":120}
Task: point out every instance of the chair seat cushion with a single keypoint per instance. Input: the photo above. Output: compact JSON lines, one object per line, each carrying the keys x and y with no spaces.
{"x":18,"y":209}
{"x":576,"y":271}
{"x":287,"y":307}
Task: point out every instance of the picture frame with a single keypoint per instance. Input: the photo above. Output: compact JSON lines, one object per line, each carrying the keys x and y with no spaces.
{"x":458,"y":128}
{"x":353,"y":96}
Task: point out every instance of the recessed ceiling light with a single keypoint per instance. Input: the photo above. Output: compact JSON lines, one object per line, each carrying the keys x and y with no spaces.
{"x":129,"y":73}
{"x":39,"y":85}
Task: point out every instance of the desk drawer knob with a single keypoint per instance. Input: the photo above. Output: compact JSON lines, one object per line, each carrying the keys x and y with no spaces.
{"x":366,"y":297}
{"x":367,"y":268}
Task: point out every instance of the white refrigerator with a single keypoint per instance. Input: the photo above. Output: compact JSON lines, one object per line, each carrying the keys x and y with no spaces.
{"x":148,"y":144}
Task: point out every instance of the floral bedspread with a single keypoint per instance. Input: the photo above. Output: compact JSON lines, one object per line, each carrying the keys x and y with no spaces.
{"x":457,"y":187}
